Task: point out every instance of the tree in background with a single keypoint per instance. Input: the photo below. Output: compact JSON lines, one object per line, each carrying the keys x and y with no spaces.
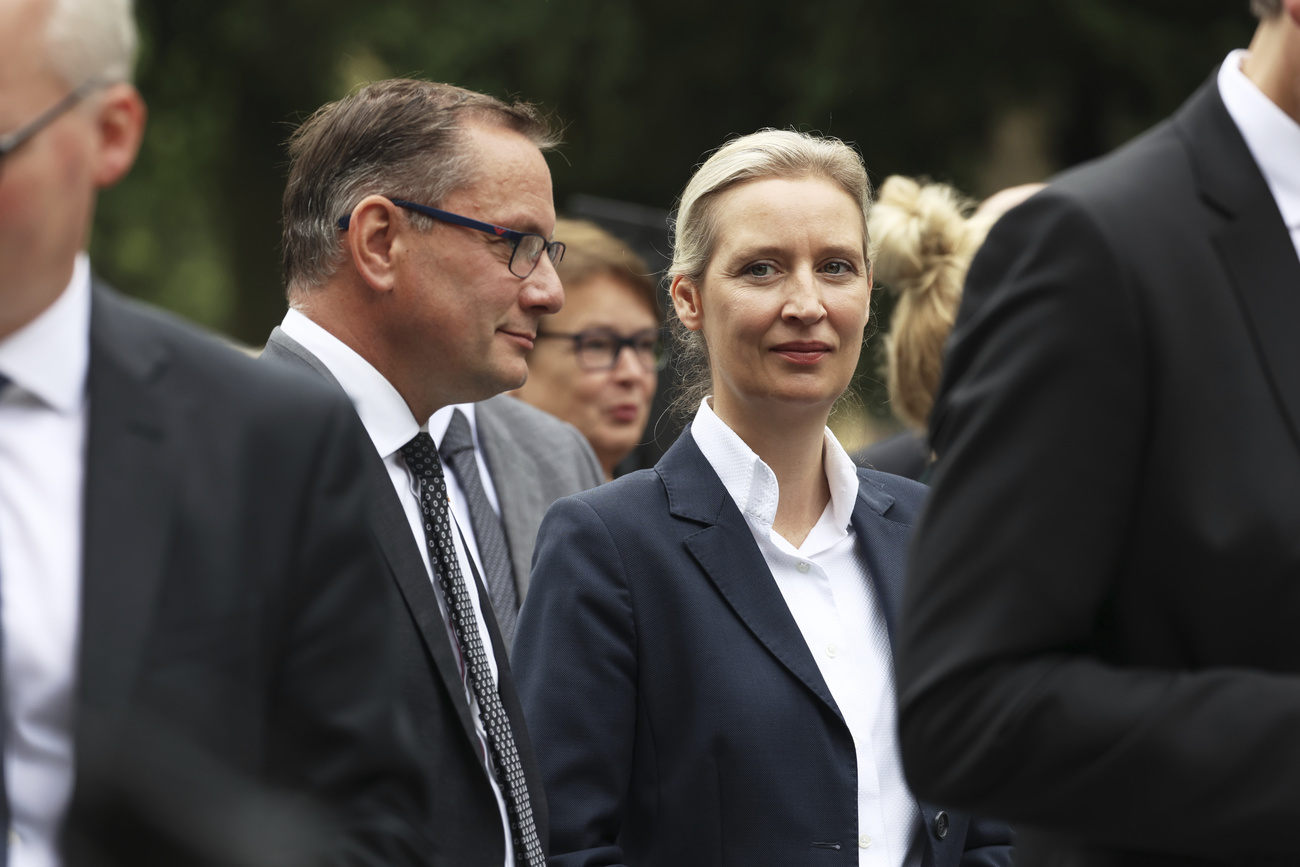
{"x":978,"y":94}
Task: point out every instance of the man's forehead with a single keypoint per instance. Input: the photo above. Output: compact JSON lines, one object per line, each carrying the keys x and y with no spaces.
{"x":509,"y":182}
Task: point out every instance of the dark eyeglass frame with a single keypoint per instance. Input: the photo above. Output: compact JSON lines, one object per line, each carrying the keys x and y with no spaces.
{"x":620,"y":343}
{"x":11,"y":141}
{"x":518,"y":240}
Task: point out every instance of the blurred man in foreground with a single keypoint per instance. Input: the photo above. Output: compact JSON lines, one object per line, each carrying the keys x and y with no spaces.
{"x":1098,"y":639}
{"x":194,"y":661}
{"x":418,"y":259}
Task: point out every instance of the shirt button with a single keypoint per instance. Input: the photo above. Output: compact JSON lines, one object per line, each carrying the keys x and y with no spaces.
{"x":864,"y":842}
{"x":831,"y":650}
{"x":804,"y":566}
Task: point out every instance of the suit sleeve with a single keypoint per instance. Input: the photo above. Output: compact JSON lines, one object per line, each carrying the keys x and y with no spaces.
{"x":333,"y":730}
{"x":1006,"y":706}
{"x":576,"y":671}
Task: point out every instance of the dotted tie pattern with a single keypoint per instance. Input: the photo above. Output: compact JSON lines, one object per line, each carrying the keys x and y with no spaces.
{"x":421,"y":457}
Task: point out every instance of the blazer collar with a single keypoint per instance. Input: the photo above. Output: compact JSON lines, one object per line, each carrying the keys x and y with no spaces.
{"x":132,"y":460}
{"x":725,"y":549}
{"x":1252,"y":241}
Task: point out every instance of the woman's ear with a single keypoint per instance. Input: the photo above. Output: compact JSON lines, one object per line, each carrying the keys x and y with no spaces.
{"x":686,"y":301}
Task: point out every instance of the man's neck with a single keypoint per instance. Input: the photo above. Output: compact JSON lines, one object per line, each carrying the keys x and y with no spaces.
{"x":1273,"y":64}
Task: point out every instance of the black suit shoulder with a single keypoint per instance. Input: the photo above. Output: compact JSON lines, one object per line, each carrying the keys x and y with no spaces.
{"x":162,"y":349}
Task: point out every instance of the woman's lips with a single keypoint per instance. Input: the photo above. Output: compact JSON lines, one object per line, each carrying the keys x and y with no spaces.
{"x":625,"y":412}
{"x":802,"y":352}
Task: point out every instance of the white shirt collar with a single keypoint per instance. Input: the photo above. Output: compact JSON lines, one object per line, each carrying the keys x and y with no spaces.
{"x":442,"y":418}
{"x":751,"y":482}
{"x":48,"y":357}
{"x":1271,"y":135}
{"x":383,"y":412}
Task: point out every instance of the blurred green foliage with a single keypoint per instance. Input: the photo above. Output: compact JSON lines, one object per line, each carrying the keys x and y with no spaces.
{"x":980,"y":94}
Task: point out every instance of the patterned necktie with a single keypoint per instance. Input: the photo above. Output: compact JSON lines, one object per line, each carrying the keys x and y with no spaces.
{"x":458,"y":449}
{"x":422,"y":459}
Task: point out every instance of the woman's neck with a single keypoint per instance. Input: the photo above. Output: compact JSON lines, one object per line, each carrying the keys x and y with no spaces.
{"x":792,"y":444}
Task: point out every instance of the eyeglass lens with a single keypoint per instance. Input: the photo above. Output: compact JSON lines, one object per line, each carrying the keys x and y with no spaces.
{"x":529,"y":250}
{"x":599,"y":350}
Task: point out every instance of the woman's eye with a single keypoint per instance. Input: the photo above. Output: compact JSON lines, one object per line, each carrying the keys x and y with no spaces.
{"x":759,"y":269}
{"x":838,"y":268}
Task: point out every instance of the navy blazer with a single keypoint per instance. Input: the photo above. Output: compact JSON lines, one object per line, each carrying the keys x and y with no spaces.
{"x":677,"y":713}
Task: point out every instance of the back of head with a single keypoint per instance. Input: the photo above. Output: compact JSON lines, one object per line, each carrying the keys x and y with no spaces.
{"x":590,"y":251}
{"x":91,"y":39}
{"x":399,"y":138}
{"x":768,"y":153}
{"x":924,"y":246}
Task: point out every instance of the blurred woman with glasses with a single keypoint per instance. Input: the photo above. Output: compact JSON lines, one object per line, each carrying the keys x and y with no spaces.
{"x":596,"y":363}
{"x":704,"y":657}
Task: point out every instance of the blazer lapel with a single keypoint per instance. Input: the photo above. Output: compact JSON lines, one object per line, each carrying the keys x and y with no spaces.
{"x":130,"y":469}
{"x":516,"y":491}
{"x":1254,"y":244}
{"x":392,"y":532}
{"x":883,"y":544}
{"x":726,"y":551}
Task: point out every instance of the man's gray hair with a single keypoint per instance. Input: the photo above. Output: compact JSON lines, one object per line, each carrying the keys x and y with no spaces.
{"x":399,"y":138}
{"x":91,"y":39}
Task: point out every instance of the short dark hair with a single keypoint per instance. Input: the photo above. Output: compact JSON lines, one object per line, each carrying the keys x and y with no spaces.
{"x":399,"y":137}
{"x":1266,"y":9}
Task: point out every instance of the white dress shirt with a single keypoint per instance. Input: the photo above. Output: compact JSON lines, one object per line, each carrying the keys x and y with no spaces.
{"x":388,"y":421}
{"x":829,"y":592}
{"x":1272,"y":136}
{"x":42,"y":476}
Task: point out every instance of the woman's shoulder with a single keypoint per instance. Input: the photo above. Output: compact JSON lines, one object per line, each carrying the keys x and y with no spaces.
{"x":896,"y":498}
{"x":635,"y":494}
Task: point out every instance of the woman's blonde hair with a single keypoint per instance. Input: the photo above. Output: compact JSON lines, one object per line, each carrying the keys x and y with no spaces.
{"x":926,"y":235}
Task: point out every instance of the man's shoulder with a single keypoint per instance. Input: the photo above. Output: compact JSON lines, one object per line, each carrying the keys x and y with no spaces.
{"x":527,"y":427}
{"x":158,"y":349}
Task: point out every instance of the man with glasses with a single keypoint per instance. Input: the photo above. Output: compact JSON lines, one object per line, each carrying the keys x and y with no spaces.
{"x":418,"y":261}
{"x":194,"y":665}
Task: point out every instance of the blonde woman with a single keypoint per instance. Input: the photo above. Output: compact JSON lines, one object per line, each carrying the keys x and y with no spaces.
{"x":704,"y":656}
{"x":926,"y":235}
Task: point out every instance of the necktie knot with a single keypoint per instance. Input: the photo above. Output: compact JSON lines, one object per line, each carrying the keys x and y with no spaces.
{"x":458,"y":437}
{"x":421,"y":456}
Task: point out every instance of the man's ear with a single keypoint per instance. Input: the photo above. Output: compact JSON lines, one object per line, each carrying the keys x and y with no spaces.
{"x":119,"y":125}
{"x":371,"y":239}
{"x":686,"y":301}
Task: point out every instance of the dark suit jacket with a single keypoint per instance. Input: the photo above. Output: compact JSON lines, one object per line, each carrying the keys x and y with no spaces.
{"x":1099,"y":637}
{"x":679,"y":716}
{"x":234,"y":701}
{"x":464,"y":821}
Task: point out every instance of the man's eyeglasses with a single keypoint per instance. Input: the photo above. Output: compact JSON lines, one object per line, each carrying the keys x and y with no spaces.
{"x":599,"y":348}
{"x":11,"y":141}
{"x":526,"y":247}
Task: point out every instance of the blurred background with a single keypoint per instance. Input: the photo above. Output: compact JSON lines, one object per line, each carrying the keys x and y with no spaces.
{"x":978,"y":94}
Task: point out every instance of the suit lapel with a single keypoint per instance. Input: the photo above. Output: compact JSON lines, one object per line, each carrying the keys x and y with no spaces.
{"x":1253,"y":243}
{"x":883,"y":545}
{"x":131,"y":466}
{"x":516,"y":491}
{"x":726,"y":551}
{"x":389,"y":526}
